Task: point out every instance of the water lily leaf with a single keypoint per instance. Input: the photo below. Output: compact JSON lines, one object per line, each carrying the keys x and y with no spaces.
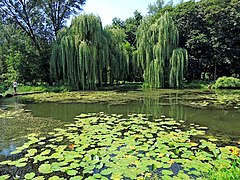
{"x":196,"y":173}
{"x":5,"y":162}
{"x":100,"y":146}
{"x":166,"y":165}
{"x":55,"y":178}
{"x":97,"y":176}
{"x":167,"y":172}
{"x":20,"y":164}
{"x":106,"y":172}
{"x":89,"y":169}
{"x":76,"y":178}
{"x":31,"y":152}
{"x":183,"y":176}
{"x":71,"y":172}
{"x":45,"y":168}
{"x":39,"y":158}
{"x":4,"y":177}
{"x":18,"y":150}
{"x":29,"y":175}
{"x":55,"y":166}
{"x":39,"y":178}
{"x":116,"y":175}
{"x":74,"y":165}
{"x":46,"y":152}
{"x":41,"y":143}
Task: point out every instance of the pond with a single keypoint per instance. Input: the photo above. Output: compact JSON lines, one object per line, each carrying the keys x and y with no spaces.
{"x":220,"y":122}
{"x":181,"y":128}
{"x":217,"y":120}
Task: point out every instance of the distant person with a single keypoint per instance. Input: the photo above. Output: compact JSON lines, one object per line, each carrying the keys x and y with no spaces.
{"x":15,"y":84}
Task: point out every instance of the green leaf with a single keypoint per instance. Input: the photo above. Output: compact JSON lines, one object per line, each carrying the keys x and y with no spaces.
{"x":106,"y":172}
{"x":29,"y":175}
{"x":76,"y":178}
{"x":39,"y":178}
{"x":55,"y":178}
{"x":45,"y":168}
{"x":4,"y":177}
{"x":71,"y":172}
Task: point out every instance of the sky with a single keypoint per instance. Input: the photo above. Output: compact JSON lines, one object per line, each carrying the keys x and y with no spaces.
{"x":123,"y":9}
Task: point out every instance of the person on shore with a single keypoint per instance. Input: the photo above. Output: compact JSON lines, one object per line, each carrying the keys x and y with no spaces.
{"x":15,"y":87}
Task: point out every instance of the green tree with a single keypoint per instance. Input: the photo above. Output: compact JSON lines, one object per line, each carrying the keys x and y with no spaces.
{"x":40,"y":21}
{"x":163,"y":62}
{"x":86,"y":56}
{"x":18,"y":54}
{"x":155,"y":7}
{"x":58,"y":11}
{"x":208,"y":30}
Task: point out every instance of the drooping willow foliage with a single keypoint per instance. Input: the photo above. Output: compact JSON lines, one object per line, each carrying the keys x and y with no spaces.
{"x":163,"y":62}
{"x":85,"y":55}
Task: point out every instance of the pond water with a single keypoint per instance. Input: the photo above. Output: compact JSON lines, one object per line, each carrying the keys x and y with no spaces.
{"x":98,"y":143}
{"x":218,"y":121}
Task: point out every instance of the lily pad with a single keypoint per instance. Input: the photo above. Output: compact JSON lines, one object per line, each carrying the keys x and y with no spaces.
{"x":29,"y":175}
{"x":45,"y":168}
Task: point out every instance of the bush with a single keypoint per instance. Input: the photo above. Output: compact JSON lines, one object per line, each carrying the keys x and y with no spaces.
{"x":227,"y":83}
{"x":196,"y":84}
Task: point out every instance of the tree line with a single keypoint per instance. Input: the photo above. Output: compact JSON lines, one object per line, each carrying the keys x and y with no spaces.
{"x":34,"y":44}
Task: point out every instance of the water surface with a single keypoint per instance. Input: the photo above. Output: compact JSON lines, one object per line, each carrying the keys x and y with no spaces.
{"x":221,"y":121}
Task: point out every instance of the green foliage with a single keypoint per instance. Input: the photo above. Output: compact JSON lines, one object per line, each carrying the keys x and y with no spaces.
{"x":196,"y":84}
{"x":164,"y":64}
{"x":19,"y":59}
{"x":207,"y":30}
{"x":86,"y":56}
{"x":231,"y":173}
{"x":157,"y":6}
{"x":43,"y":88}
{"x":12,"y":61}
{"x":28,"y":28}
{"x":227,"y":83}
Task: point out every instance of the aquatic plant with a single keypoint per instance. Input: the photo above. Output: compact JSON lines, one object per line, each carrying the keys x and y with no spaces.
{"x":114,"y":146}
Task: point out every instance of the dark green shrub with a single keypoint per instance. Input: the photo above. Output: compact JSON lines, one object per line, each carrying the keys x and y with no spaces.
{"x":227,"y":83}
{"x":196,"y":84}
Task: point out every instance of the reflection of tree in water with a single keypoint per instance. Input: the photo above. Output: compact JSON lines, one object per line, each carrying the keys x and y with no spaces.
{"x":166,"y":105}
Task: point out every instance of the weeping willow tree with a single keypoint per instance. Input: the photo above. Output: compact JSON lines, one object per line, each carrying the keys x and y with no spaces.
{"x":163,"y":62}
{"x":118,"y":55}
{"x":85,"y":55}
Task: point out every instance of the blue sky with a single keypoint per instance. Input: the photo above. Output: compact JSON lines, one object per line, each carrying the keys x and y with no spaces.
{"x":123,"y":9}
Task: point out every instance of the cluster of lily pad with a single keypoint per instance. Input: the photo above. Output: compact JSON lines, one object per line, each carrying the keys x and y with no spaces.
{"x":102,"y":146}
{"x":217,"y":100}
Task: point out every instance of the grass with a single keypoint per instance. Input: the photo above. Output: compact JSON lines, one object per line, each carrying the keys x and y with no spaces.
{"x":233,"y":173}
{"x":40,"y":88}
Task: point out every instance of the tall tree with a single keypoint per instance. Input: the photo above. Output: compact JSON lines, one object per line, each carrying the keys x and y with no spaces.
{"x":208,"y":30}
{"x":58,"y":11}
{"x":85,"y":56}
{"x":155,"y":7}
{"x":39,"y":19}
{"x":163,"y":62}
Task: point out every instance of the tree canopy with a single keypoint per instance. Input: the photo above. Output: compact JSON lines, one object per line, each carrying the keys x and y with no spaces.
{"x":28,"y":29}
{"x":85,"y":55}
{"x":163,"y":62}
